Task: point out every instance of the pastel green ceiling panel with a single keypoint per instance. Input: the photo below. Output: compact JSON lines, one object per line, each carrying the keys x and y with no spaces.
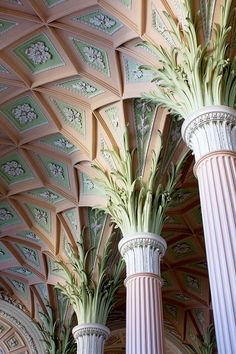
{"x":20,"y":287}
{"x":54,"y":268}
{"x":30,"y":254}
{"x":52,"y":3}
{"x":72,"y":116}
{"x":59,"y":142}
{"x":47,"y":194}
{"x":41,"y":216}
{"x":24,"y":113}
{"x":101,"y":21}
{"x":4,"y":253}
{"x":39,"y":54}
{"x":144,"y":116}
{"x":21,"y":270}
{"x":82,"y":87}
{"x":56,"y":170}
{"x":13,"y":169}
{"x":88,"y":186}
{"x":127,"y":3}
{"x":133,"y":73}
{"x":8,"y":215}
{"x":93,"y":56}
{"x":29,"y":235}
{"x":193,"y":282}
{"x":71,"y":216}
{"x":6,"y":25}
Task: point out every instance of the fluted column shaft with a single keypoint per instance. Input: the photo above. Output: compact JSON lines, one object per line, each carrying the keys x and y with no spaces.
{"x":144,"y":318}
{"x":212,"y":136}
{"x":90,"y":338}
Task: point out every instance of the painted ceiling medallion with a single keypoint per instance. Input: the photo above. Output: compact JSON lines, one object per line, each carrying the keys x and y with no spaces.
{"x":133,"y":73}
{"x":47,"y":195}
{"x":21,"y":270}
{"x":40,"y":215}
{"x":181,"y":248}
{"x":82,"y":87}
{"x":39,"y":54}
{"x":63,"y":143}
{"x":13,"y":168}
{"x":18,"y":285}
{"x":30,"y":235}
{"x":8,"y":215}
{"x":59,"y":142}
{"x":101,"y":21}
{"x":56,"y":170}
{"x":93,"y":56}
{"x":24,"y":113}
{"x":159,"y":25}
{"x":73,"y":116}
{"x":5,"y":215}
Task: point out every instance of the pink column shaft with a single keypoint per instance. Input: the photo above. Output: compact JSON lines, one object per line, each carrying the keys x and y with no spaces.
{"x":216,"y":174}
{"x":144,"y":327}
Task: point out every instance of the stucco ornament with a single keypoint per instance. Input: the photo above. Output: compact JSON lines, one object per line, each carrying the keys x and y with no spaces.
{"x":84,"y":87}
{"x":73,"y":116}
{"x":138,"y":73}
{"x":24,"y":113}
{"x":94,"y":56}
{"x":102,"y":21}
{"x":56,"y":170}
{"x":40,"y":215}
{"x":48,"y":196}
{"x":38,"y":53}
{"x":5,"y":215}
{"x":63,"y":143}
{"x":13,"y":168}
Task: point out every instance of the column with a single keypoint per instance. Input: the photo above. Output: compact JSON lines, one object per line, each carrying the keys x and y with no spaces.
{"x":90,"y":338}
{"x":211,"y":134}
{"x":144,"y":318}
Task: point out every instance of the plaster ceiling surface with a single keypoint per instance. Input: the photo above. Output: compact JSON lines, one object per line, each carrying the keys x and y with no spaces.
{"x":70,"y":82}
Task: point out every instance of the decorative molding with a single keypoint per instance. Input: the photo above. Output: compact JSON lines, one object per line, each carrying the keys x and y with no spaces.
{"x":24,"y":325}
{"x":210,"y":129}
{"x":142,"y":253}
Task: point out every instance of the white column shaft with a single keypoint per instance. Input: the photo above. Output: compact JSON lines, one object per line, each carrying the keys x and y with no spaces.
{"x":144,"y":318}
{"x":217,"y":185}
{"x":144,"y":327}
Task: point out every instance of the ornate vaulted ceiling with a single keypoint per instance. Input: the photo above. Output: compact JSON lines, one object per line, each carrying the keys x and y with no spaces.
{"x":69,"y":83}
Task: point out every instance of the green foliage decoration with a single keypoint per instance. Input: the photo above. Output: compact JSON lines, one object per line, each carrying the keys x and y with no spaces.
{"x":193,"y":74}
{"x":209,"y":341}
{"x":92,"y":300}
{"x":57,"y":333}
{"x":134,"y":204}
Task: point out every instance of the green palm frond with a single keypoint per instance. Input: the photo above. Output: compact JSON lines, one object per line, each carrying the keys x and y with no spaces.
{"x":133,"y":204}
{"x":208,"y":345}
{"x":192,"y":74}
{"x":57,"y":333}
{"x":92,"y":301}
